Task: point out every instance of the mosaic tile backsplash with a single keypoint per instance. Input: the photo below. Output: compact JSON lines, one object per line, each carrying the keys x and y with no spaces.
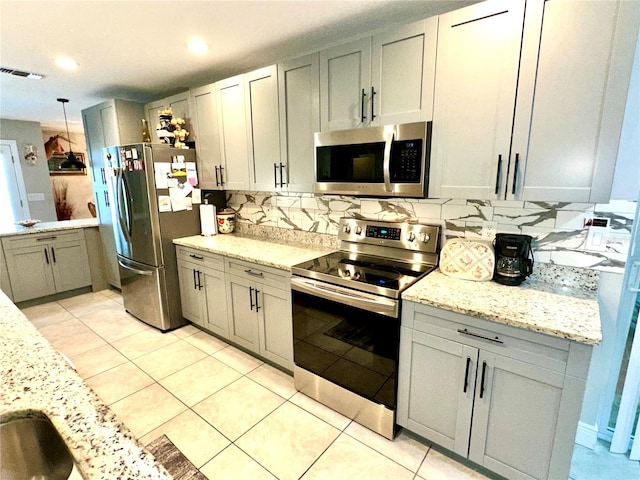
{"x":558,"y":229}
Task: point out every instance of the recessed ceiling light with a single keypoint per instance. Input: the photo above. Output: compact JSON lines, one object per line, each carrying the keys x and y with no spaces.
{"x":66,"y":63}
{"x":197,"y":46}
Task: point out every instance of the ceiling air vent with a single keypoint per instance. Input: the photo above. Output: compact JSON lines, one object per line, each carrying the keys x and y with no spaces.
{"x":21,"y":73}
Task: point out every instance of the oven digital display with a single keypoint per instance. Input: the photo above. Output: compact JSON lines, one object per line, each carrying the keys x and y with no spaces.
{"x":386,"y":233}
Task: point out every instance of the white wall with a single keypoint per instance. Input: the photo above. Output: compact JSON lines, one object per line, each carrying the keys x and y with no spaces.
{"x":36,"y":177}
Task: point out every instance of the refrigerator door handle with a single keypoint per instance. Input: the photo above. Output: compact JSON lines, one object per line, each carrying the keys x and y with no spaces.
{"x":124,"y":216}
{"x":148,"y":273}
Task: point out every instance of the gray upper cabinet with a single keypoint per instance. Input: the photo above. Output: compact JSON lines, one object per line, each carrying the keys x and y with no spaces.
{"x":387,"y":78}
{"x":299,"y":99}
{"x":211,"y":171}
{"x":475,"y":92}
{"x":571,"y":99}
{"x":233,"y":132}
{"x":263,"y":128}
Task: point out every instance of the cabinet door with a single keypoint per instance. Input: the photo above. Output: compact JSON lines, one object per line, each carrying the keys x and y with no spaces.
{"x":94,"y":138}
{"x":299,"y":96}
{"x":243,"y":321}
{"x":403,"y":73}
{"x":261,"y":101}
{"x":103,"y":211}
{"x":190,"y":294}
{"x":275,"y":325}
{"x":233,"y":133}
{"x":215,"y":302}
{"x":436,"y":388}
{"x":30,"y":272}
{"x":180,"y":105}
{"x":70,"y":265}
{"x":206,"y":136}
{"x":475,"y":87}
{"x":515,"y":416}
{"x":345,"y":84}
{"x":571,"y":104}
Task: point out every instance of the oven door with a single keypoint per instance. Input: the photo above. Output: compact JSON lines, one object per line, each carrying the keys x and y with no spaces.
{"x":347,"y":337}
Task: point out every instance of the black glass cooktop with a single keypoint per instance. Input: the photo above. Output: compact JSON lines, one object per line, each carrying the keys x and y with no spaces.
{"x":345,"y":268}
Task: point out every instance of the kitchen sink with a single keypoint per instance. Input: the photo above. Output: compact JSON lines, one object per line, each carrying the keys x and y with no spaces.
{"x":32,"y":448}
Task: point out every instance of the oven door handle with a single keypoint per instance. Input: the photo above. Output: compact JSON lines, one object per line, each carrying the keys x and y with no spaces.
{"x":375,"y":303}
{"x":386,"y":161}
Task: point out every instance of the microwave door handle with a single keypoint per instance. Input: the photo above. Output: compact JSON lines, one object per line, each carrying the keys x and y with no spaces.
{"x":386,"y":165}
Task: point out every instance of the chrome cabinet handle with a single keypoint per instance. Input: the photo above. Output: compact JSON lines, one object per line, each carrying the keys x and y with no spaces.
{"x":484,"y":372}
{"x":197,"y":257}
{"x":199,"y":281}
{"x":476,"y":335}
{"x":466,"y":375}
{"x":53,"y":255}
{"x":195,"y":285}
{"x":373,"y":92}
{"x":221,"y":176}
{"x":498,"y":174}
{"x":44,"y":239}
{"x":362,"y":115}
{"x":46,"y":256}
{"x":515,"y":174}
{"x":217,"y":179}
{"x":256,"y":291}
{"x":251,"y":297}
{"x":255,"y":274}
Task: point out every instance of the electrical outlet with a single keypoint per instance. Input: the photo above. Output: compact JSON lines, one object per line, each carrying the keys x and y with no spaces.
{"x":598,"y":234}
{"x":489,"y":230}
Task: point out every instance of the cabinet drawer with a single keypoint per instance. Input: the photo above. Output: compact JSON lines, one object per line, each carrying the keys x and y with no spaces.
{"x":260,"y":273}
{"x":30,"y":240}
{"x":200,"y":257}
{"x":530,"y":347}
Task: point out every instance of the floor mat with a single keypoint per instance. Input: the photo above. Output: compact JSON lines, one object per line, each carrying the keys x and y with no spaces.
{"x":173,"y":460}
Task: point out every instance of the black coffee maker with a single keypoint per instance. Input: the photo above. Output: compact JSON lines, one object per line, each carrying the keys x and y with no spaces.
{"x":514,"y":258}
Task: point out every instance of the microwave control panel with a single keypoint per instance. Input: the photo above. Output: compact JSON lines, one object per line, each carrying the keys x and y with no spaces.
{"x":406,"y":161}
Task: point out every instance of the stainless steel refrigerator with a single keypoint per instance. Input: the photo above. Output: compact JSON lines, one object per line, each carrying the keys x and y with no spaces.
{"x":145,"y":223}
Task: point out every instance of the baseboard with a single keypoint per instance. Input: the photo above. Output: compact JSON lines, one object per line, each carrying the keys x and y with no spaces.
{"x":587,"y":435}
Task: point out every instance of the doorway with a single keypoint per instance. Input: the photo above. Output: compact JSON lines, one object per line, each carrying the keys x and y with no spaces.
{"x":12,"y":190}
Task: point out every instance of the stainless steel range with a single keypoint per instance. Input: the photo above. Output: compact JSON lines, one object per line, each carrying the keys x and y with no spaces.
{"x":346,"y":317}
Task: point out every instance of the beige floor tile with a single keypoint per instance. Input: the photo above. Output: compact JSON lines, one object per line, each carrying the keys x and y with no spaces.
{"x":185,"y":331}
{"x":274,"y":379}
{"x":64,"y":329}
{"x":112,"y":294}
{"x":78,"y":343}
{"x":348,"y":459}
{"x":237,"y":359}
{"x":205,"y":342}
{"x":194,"y":437}
{"x":125,"y":326}
{"x":288,"y":441}
{"x":143,"y":342}
{"x":97,"y":360}
{"x":234,"y":464}
{"x":196,"y":382}
{"x":87,"y":303}
{"x":119,"y":382}
{"x":47,"y":314}
{"x":440,"y":467}
{"x":321,"y":411}
{"x":238,"y":407}
{"x":405,"y":450}
{"x":147,"y":409}
{"x":167,"y":360}
{"x":104,"y":317}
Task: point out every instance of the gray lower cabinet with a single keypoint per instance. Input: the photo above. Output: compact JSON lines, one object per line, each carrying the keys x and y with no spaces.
{"x":505,"y":398}
{"x":202,"y":290}
{"x":45,"y":264}
{"x":259,"y":302}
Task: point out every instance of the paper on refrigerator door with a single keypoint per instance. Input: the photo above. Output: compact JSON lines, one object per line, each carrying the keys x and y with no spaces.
{"x":196,"y":196}
{"x":192,"y":173}
{"x":164,"y":203}
{"x":178,"y":200}
{"x":162,"y":172}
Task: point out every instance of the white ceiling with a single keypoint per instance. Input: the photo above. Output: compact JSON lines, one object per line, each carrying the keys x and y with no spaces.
{"x":136,"y":50}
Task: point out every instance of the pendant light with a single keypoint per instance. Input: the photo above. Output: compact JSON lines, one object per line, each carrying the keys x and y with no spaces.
{"x":71,"y":161}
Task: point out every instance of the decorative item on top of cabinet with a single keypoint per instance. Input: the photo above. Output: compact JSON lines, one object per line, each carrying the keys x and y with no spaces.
{"x":384,"y":79}
{"x":474,"y":100}
{"x":179,"y":104}
{"x":488,"y":391}
{"x":571,"y":99}
{"x":299,"y":99}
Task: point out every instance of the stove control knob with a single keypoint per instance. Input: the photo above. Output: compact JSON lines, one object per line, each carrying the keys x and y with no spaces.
{"x":411,"y":236}
{"x":347,"y":229}
{"x":358,"y":230}
{"x":424,"y":237}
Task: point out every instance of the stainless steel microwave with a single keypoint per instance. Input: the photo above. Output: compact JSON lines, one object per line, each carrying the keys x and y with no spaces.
{"x":385,"y":161}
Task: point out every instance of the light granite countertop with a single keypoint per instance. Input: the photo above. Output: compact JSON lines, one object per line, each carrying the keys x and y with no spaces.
{"x":272,"y":253}
{"x":10,"y":230}
{"x":36,"y":378}
{"x":542,"y":307}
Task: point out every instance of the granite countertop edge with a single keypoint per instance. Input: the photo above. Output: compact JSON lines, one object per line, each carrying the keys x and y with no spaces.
{"x":43,"y":227}
{"x":37,"y":380}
